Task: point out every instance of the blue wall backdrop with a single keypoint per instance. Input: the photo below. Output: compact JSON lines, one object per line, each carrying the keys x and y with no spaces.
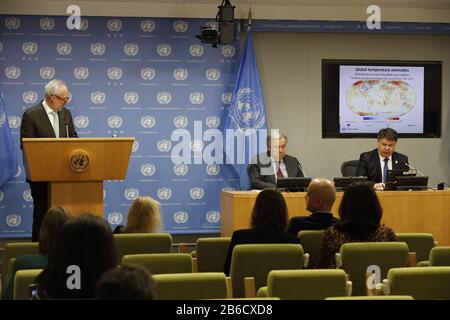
{"x":131,"y":77}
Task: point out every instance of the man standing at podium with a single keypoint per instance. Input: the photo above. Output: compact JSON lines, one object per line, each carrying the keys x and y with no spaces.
{"x":48,"y":119}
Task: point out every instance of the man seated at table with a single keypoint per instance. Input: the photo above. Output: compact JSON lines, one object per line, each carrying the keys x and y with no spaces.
{"x":268,"y":167}
{"x":319,"y":201}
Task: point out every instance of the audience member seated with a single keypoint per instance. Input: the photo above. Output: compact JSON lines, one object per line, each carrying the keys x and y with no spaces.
{"x":51,"y":225}
{"x":143,"y":217}
{"x":268,"y":224}
{"x":360,"y":212}
{"x":87,"y":243}
{"x":319,"y":201}
{"x":125,"y":283}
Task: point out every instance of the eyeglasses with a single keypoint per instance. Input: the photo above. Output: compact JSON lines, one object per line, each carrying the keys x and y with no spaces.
{"x":66,"y":99}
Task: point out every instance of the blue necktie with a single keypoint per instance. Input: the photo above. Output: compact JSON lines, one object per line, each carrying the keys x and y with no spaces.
{"x":385,"y":169}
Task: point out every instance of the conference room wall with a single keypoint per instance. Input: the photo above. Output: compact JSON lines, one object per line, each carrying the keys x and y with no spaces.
{"x":290,"y":70}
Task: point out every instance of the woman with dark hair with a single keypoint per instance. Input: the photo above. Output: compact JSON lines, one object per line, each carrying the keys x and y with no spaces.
{"x":53,"y":221}
{"x":84,"y":251}
{"x":360,"y":212}
{"x":268,"y":224}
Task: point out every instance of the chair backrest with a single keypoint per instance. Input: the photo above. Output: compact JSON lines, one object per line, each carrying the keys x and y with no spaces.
{"x":440,"y":256}
{"x":212,"y":253}
{"x":310,"y":241}
{"x":306,"y":284}
{"x":358,"y":256}
{"x":137,"y":243}
{"x":160,"y":263}
{"x":348,"y":168}
{"x":22,"y":282}
{"x":14,"y":250}
{"x":420,"y":283}
{"x":190,"y":286}
{"x":420,"y":243}
{"x":257,"y":260}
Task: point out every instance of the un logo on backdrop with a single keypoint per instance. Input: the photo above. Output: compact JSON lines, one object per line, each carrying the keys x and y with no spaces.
{"x":148,"y":73}
{"x":164,"y":193}
{"x":135,"y":146}
{"x":115,"y":122}
{"x":212,"y":122}
{"x":12,"y":23}
{"x":98,"y":49}
{"x":226,"y":97}
{"x":131,"y":193}
{"x":27,"y":196}
{"x":196,"y":50}
{"x":131,"y":97}
{"x":247,"y":111}
{"x":164,"y":49}
{"x":47,"y":23}
{"x":180,"y":26}
{"x":148,"y":122}
{"x":196,"y":97}
{"x":29,"y":47}
{"x":84,"y":24}
{"x":197,"y":193}
{"x":180,"y":122}
{"x":81,"y":73}
{"x":114,"y":25}
{"x":81,"y":122}
{"x":228,"y":51}
{"x":98,"y":97}
{"x":30,"y":96}
{"x":148,"y":169}
{"x":180,"y":217}
{"x":115,"y":218}
{"x":212,"y":169}
{"x":164,"y":97}
{"x":13,"y":220}
{"x":114,"y":73}
{"x":64,"y":48}
{"x":12,"y":72}
{"x":147,"y":25}
{"x":164,"y":145}
{"x":180,"y":169}
{"x":213,"y":216}
{"x":196,"y":145}
{"x":131,"y":49}
{"x":47,"y":72}
{"x":212,"y":74}
{"x":180,"y":74}
{"x":14,"y":122}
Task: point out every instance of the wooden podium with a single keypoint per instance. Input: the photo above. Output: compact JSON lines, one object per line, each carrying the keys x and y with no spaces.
{"x":76,"y":167}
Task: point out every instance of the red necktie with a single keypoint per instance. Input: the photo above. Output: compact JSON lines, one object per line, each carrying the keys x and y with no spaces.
{"x":279,"y":172}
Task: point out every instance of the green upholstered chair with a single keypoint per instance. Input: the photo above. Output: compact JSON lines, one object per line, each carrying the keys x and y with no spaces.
{"x":211,"y":253}
{"x":439,"y":256}
{"x":257,"y":260}
{"x":310,"y":241}
{"x":190,"y":286}
{"x":14,"y":250}
{"x":22,"y":282}
{"x":306,"y":284}
{"x":137,"y":243}
{"x":420,"y":243}
{"x":160,"y":263}
{"x":372,"y":298}
{"x":354,"y":258}
{"x":420,"y":283}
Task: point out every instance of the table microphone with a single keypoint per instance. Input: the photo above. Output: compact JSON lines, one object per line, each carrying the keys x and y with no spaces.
{"x":67,"y":131}
{"x":411,"y":167}
{"x":303,"y":171}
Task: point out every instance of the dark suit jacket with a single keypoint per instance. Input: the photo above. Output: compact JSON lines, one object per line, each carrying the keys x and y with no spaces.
{"x":369,"y":165}
{"x":315,"y":221}
{"x":263,"y":162}
{"x":265,"y":234}
{"x":36,"y":124}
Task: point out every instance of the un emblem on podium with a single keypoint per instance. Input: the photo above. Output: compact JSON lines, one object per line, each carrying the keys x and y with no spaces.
{"x":79,"y":161}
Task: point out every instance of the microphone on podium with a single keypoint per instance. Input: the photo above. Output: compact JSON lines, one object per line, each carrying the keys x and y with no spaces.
{"x":303,"y":171}
{"x":411,"y":167}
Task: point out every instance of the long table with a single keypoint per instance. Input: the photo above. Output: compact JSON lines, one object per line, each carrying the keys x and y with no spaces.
{"x":403,"y":211}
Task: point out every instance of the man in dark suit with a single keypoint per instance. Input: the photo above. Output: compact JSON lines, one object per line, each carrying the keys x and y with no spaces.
{"x":319,"y":201}
{"x":375,"y":164}
{"x":48,"y":119}
{"x":268,"y":167}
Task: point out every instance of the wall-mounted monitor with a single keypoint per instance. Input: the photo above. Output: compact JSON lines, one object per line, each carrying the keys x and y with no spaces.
{"x":359,"y":97}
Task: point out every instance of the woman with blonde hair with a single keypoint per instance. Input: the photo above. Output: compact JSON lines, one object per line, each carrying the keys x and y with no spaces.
{"x":143,"y":217}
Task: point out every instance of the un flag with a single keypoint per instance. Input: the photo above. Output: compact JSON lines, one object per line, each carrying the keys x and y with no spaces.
{"x":8,"y":154}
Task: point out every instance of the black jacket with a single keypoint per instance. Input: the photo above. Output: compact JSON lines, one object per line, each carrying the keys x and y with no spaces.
{"x":370,"y":167}
{"x":315,"y":221}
